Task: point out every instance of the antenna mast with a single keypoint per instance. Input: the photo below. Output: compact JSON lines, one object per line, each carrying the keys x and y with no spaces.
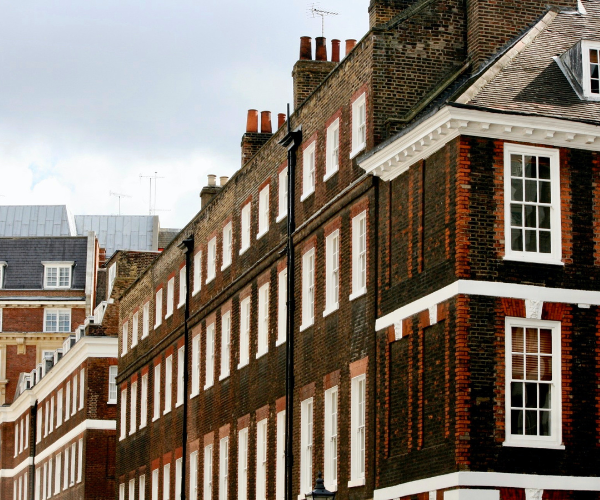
{"x":314,"y":11}
{"x":119,"y":195}
{"x":151,"y":208}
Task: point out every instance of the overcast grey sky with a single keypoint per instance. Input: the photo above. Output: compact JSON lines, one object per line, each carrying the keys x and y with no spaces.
{"x":94,"y":93}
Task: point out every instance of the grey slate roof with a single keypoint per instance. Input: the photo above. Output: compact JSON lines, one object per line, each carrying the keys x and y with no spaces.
{"x":36,"y":220}
{"x":24,"y":257}
{"x":534,"y":83}
{"x":166,"y":235}
{"x":121,"y":232}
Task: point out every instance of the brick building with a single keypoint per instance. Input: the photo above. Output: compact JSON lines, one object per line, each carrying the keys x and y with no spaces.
{"x":445,"y":300}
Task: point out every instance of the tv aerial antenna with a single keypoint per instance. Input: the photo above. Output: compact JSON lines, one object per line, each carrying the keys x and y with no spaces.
{"x":119,"y":195}
{"x":151,"y":208}
{"x":314,"y":11}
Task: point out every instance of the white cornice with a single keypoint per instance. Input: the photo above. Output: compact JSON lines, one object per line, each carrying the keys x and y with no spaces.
{"x":450,"y":122}
{"x":13,"y":472}
{"x":11,"y":302}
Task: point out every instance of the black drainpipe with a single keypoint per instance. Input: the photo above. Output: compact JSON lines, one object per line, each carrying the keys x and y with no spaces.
{"x":291,"y":141}
{"x":187,"y":246}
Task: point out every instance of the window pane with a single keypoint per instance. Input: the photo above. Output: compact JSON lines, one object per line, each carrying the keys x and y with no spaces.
{"x":516,"y":392}
{"x":531,"y":191}
{"x":531,"y":422}
{"x":593,"y":55}
{"x":516,"y":215}
{"x":516,"y":165}
{"x":530,"y":241}
{"x":531,"y":340}
{"x":517,"y":339}
{"x":544,"y":167}
{"x":530,"y":219}
{"x":516,"y":190}
{"x":516,"y":423}
{"x":530,"y":166}
{"x":544,"y":395}
{"x":531,"y":368}
{"x":516,"y":242}
{"x":546,"y":368}
{"x":545,"y":244}
{"x":544,"y":217}
{"x":517,"y":367}
{"x":531,"y":395}
{"x":544,"y":423}
{"x":545,"y":192}
{"x":545,"y":341}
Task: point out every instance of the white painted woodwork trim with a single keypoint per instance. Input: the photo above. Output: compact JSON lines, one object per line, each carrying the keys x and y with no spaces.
{"x":489,"y":289}
{"x":46,"y":302}
{"x":13,"y":472}
{"x":490,"y":480}
{"x":449,"y":122}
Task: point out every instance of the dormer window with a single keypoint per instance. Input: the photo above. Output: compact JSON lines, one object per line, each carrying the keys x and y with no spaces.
{"x":57,"y":274}
{"x":581,"y":65}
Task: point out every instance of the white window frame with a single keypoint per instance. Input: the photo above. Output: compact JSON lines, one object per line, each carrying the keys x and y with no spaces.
{"x":554,"y":441}
{"x":243,"y":464}
{"x":113,"y":371}
{"x":359,"y":255}
{"x":223,"y":467}
{"x":57,"y":473}
{"x":134,"y":328}
{"x":225,"y":345}
{"x":309,"y":169}
{"x":133,"y":408}
{"x":124,"y":338}
{"x":261,"y":459}
{"x":166,"y":481}
{"x":332,"y":161}
{"x":79,"y":461}
{"x":308,"y":289}
{"x":144,"y":402}
{"x":358,"y":429}
{"x":76,"y":394}
{"x":586,"y":45}
{"x":211,"y":260}
{"x":178,"y":471}
{"x":306,"y":446}
{"x":142,"y":487}
{"x":59,"y":408}
{"x":180,"y":355}
{"x":194,"y":475}
{"x":123,"y":414}
{"x":263,"y":321}
{"x":38,"y":424}
{"x":158,"y":303}
{"x":245,"y":225}
{"x":245,"y":318}
{"x":156,"y":393}
{"x":2,"y":266}
{"x":210,"y":356}
{"x":170,"y":297}
{"x":122,"y":491}
{"x":182,"y":288}
{"x":263,"y":212}
{"x":59,"y":266}
{"x":332,"y":272}
{"x":81,"y":388}
{"x":59,"y":312}
{"x":132,"y":489}
{"x":281,"y":306}
{"x":112,"y":275}
{"x":197,"y":272}
{"x":227,"y":245}
{"x":283,"y":195}
{"x":208,"y":471}
{"x":1,"y":309}
{"x":168,"y":384}
{"x":280,"y":457}
{"x":359,"y":125}
{"x":554,"y":257}
{"x":155,"y":474}
{"x":195,"y":366}
{"x":331,"y":439}
{"x":66,"y":469}
{"x":146,"y":320}
{"x":51,"y":414}
{"x":47,"y":419}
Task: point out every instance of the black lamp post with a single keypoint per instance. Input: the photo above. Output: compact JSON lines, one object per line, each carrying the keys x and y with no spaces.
{"x":320,"y":491}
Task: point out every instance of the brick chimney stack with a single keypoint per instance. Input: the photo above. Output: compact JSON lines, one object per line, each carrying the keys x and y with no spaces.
{"x":308,"y":73}
{"x":383,"y":11}
{"x":209,"y":191}
{"x":253,"y":140}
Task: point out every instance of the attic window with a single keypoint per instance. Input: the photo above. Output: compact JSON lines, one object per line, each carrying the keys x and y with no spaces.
{"x":581,"y":65}
{"x":57,"y":274}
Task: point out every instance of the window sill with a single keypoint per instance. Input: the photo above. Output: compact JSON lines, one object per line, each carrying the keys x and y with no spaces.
{"x":241,"y":365}
{"x":280,"y":217}
{"x":157,"y":325}
{"x":194,"y":394}
{"x":304,"y":327}
{"x":530,"y":443}
{"x":208,"y":386}
{"x":223,"y":376}
{"x":357,"y":294}
{"x":133,"y":345}
{"x":329,"y":175}
{"x":108,"y":403}
{"x":534,"y":259}
{"x":142,"y":426}
{"x":353,"y":483}
{"x":131,"y":433}
{"x":327,"y":312}
{"x":243,"y":250}
{"x":225,"y":266}
{"x":208,"y":280}
{"x":261,"y":234}
{"x":155,"y":418}
{"x":180,"y":305}
{"x":121,"y":438}
{"x":261,"y":354}
{"x":331,"y":487}
{"x":167,"y":411}
{"x":123,"y":353}
{"x":358,"y":150}
{"x":279,"y":342}
{"x":178,"y":404}
{"x":145,"y":336}
{"x":305,"y":196}
{"x":195,"y":292}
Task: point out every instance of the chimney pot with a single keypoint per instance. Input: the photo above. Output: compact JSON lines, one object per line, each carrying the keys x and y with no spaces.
{"x":223,"y":180}
{"x":252,"y":121}
{"x":212,"y":180}
{"x":350,"y":44}
{"x":306,"y":48}
{"x":321,"y":50}
{"x":335,"y":50}
{"x":280,"y":119}
{"x":265,"y":122}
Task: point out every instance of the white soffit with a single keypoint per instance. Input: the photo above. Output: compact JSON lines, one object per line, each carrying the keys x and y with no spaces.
{"x":449,"y":122}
